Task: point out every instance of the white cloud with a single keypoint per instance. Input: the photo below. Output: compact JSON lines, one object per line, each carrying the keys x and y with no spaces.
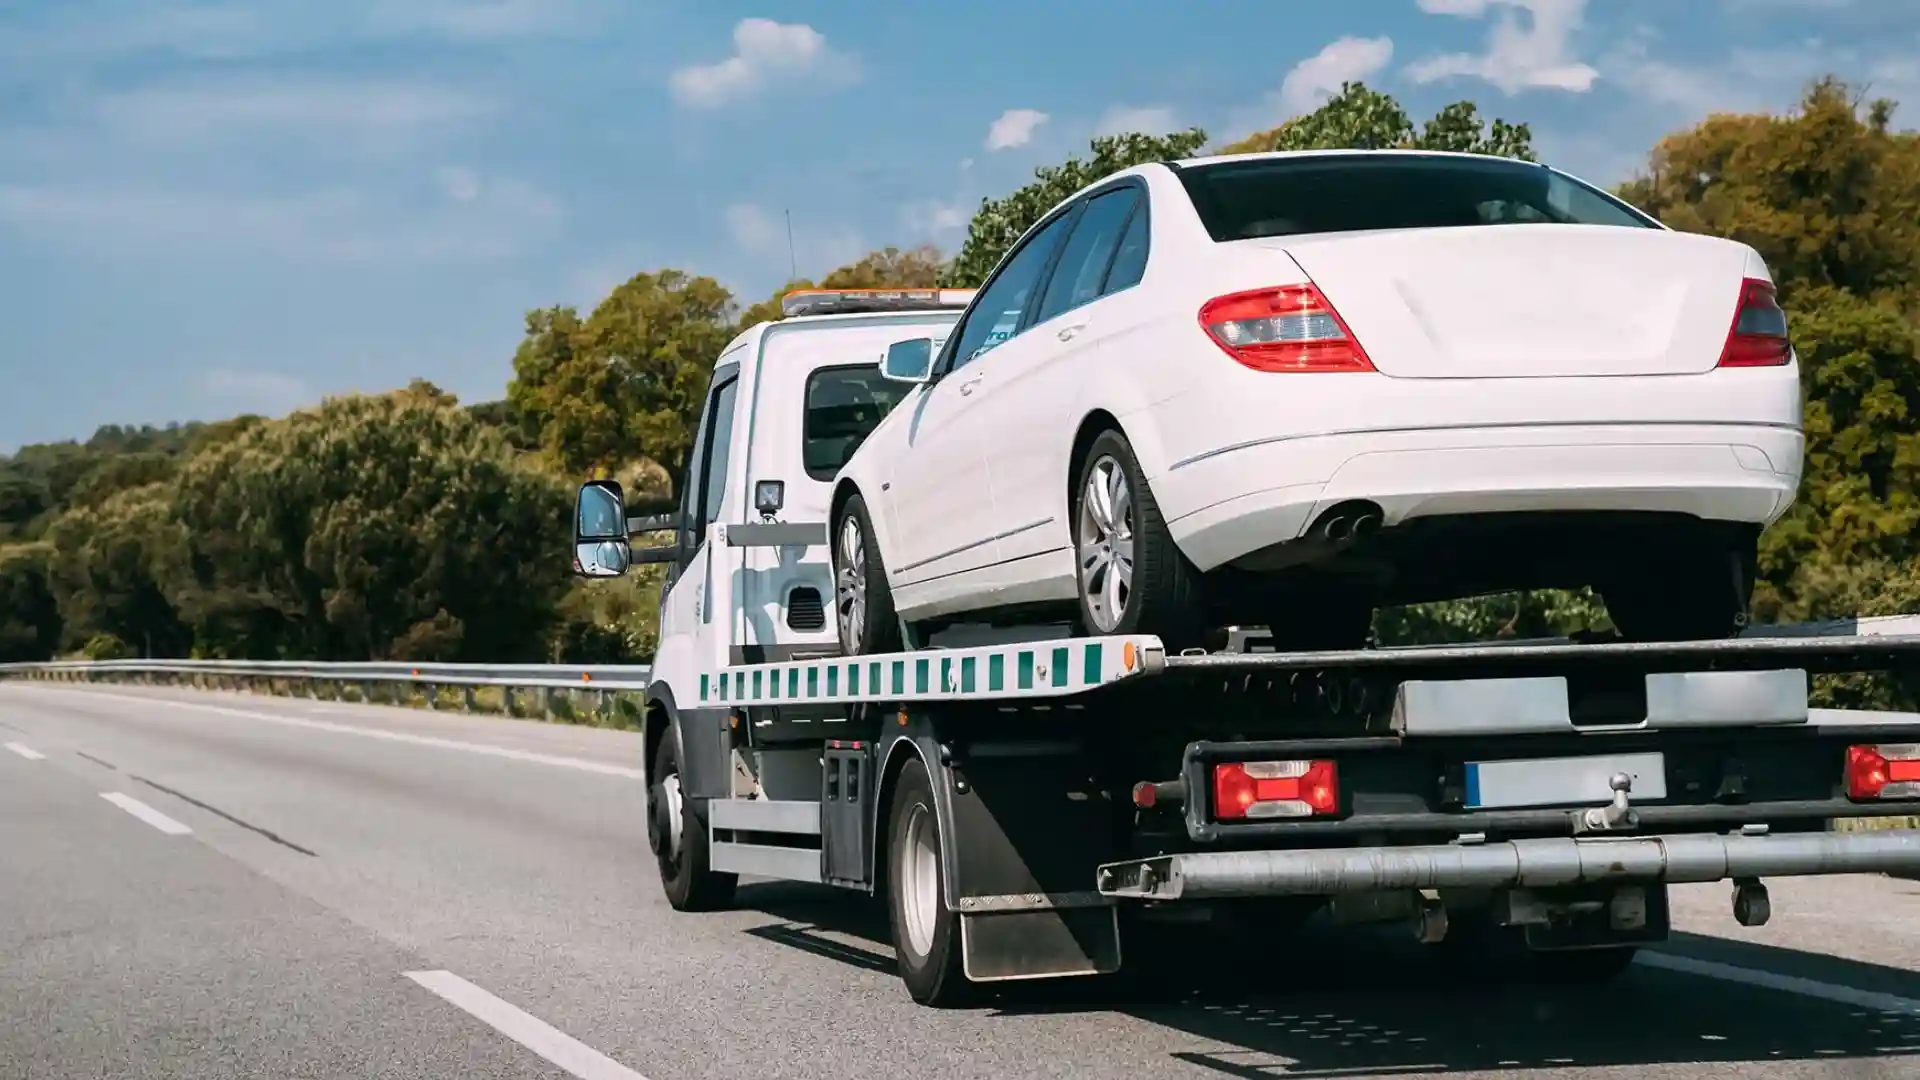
{"x":1518,"y":57}
{"x":1350,"y":59}
{"x":257,"y":391}
{"x":936,"y":217}
{"x":1146,"y":119}
{"x":206,"y":109}
{"x":460,"y":184}
{"x":764,"y":53}
{"x":342,"y":225}
{"x":1014,"y":128}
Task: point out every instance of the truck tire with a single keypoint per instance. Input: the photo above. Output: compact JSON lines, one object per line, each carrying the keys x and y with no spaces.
{"x":862,"y":602}
{"x":1130,"y":577}
{"x":677,"y":830}
{"x":926,"y":933}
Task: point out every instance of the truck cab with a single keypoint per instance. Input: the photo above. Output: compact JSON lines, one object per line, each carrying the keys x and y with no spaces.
{"x":788,"y":402}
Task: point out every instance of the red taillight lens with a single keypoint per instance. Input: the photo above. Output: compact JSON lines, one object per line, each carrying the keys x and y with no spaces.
{"x":1289,"y":328}
{"x":1275,"y":789}
{"x":1883,"y":772}
{"x":1759,"y":334}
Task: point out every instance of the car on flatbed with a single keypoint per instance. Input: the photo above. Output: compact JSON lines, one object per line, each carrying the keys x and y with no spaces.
{"x":1289,"y":389}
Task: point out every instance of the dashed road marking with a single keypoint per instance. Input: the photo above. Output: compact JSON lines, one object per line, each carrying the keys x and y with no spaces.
{"x":484,"y":749}
{"x":27,"y":752}
{"x":528,"y":1030}
{"x":145,"y":813}
{"x":1790,"y":984}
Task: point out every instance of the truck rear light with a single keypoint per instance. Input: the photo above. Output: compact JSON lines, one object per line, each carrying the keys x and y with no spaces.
{"x":1887,"y":771}
{"x":1275,"y":789}
{"x":1758,"y":337}
{"x":1288,"y":328}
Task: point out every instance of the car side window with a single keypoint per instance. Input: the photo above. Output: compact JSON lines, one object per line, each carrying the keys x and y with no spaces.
{"x":1078,"y":276}
{"x":694,"y":484}
{"x":1130,"y":261}
{"x":997,"y":310}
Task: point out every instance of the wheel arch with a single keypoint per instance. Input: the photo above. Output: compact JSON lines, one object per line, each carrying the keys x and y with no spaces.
{"x":659,"y":722}
{"x":1091,"y":426}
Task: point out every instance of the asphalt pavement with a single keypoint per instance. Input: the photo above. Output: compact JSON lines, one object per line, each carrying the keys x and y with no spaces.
{"x":226,"y":885}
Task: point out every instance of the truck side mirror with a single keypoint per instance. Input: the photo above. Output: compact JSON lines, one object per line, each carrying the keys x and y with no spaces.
{"x":600,"y":547}
{"x":908,"y":361}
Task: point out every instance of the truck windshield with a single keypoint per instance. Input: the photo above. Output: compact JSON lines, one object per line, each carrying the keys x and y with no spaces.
{"x":844,"y":405}
{"x":1242,"y":200}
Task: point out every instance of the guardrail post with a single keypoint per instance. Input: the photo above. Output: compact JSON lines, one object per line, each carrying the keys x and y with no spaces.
{"x":547,"y":698}
{"x":466,"y":698}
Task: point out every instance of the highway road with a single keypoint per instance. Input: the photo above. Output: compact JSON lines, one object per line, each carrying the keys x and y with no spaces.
{"x":224,"y":885}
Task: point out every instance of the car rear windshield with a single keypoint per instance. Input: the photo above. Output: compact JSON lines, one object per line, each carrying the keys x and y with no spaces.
{"x":1241,"y":200}
{"x":844,"y":405}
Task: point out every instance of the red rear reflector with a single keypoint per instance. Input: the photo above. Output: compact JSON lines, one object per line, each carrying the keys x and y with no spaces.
{"x":1275,"y":789}
{"x":1758,"y":337}
{"x":1888,"y":771}
{"x":1289,"y":328}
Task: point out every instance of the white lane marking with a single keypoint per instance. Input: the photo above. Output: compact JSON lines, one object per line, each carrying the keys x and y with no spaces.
{"x":486,"y":749}
{"x":1789,"y":984}
{"x":529,"y":1031}
{"x":27,"y":752}
{"x":146,"y":813}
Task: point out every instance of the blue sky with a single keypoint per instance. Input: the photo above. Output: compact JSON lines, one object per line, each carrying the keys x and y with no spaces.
{"x":209,"y":208}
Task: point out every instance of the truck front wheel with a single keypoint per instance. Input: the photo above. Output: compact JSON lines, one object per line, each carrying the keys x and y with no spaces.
{"x":926,"y":933}
{"x":679,"y":837}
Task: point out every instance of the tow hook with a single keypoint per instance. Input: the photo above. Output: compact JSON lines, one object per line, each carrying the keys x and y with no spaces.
{"x":1615,"y":816}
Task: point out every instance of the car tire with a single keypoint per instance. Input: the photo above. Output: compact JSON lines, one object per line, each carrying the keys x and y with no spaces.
{"x":862,"y":602}
{"x":1158,"y":591}
{"x":677,"y":828}
{"x":926,"y":932}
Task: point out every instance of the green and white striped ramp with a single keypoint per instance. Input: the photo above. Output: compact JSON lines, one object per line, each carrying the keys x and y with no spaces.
{"x":1041,"y":669}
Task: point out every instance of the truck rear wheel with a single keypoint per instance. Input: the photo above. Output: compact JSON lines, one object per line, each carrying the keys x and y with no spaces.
{"x":679,"y":836}
{"x":926,"y":933}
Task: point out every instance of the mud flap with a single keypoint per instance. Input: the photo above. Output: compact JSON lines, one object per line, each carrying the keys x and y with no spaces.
{"x":1004,"y":945}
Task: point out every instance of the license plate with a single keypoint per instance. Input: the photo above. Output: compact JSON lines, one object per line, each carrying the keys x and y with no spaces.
{"x":1568,"y":781}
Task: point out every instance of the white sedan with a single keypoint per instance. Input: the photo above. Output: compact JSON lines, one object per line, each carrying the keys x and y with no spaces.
{"x":1288,"y":389}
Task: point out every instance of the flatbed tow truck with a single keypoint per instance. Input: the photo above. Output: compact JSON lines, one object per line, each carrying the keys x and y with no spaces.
{"x":1025,"y":801}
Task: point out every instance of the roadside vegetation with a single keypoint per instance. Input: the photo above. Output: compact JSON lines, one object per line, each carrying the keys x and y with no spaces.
{"x":410,"y":526}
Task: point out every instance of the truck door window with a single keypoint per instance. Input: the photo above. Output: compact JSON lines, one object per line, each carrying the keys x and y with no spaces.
{"x":844,"y":405}
{"x":719,"y":446}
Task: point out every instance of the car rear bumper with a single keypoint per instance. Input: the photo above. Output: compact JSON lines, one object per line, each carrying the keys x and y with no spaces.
{"x":1236,"y":500}
{"x":1541,"y":863}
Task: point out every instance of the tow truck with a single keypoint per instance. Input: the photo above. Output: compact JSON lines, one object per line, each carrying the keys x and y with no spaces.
{"x":1025,"y":800}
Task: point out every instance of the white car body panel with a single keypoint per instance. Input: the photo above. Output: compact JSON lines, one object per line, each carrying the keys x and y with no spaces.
{"x":1518,"y":367}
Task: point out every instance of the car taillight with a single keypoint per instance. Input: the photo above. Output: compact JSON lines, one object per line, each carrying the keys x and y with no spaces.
{"x":1888,"y":771}
{"x":1288,"y":328}
{"x":1759,"y":334}
{"x":1275,"y":789}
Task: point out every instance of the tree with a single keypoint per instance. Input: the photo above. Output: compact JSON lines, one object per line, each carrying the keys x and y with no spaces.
{"x":389,"y":527}
{"x":1360,"y":118}
{"x":29,"y":613}
{"x":889,"y":268}
{"x":1000,"y":222}
{"x":628,"y":382}
{"x":104,"y":572}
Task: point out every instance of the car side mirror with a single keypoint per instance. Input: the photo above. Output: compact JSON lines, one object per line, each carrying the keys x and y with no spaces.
{"x":908,"y":361}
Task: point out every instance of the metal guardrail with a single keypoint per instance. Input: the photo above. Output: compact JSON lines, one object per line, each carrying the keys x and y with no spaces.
{"x":608,"y":677}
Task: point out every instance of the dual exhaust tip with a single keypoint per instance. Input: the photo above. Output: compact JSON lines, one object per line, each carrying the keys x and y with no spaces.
{"x":1348,"y":521}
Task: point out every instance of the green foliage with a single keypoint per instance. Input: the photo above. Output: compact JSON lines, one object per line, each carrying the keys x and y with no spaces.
{"x":29,"y":614}
{"x":627,"y":382}
{"x":1000,"y":222}
{"x":1359,"y":118}
{"x":390,"y":527}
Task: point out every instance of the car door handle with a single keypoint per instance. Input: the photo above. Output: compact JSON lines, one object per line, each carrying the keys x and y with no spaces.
{"x":967,"y":387}
{"x":1068,"y":333}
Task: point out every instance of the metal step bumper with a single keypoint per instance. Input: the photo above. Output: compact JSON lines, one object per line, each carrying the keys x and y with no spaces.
{"x":1534,"y":864}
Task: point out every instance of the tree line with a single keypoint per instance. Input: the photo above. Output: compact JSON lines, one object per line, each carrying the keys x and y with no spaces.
{"x":406,"y":525}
